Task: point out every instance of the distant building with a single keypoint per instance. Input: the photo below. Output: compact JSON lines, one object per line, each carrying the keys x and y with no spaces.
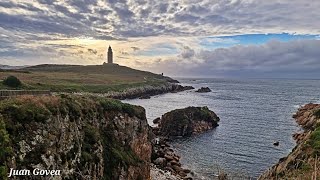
{"x":110,"y":55}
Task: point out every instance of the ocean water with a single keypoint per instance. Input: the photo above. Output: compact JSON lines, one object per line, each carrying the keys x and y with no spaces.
{"x":253,"y":113}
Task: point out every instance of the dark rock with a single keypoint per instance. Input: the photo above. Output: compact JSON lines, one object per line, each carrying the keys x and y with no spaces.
{"x":156,"y":121}
{"x":168,"y":157}
{"x":145,"y":97}
{"x":203,"y":90}
{"x":186,"y":171}
{"x":276,"y":143}
{"x":169,"y":169}
{"x":174,"y":162}
{"x":187,"y":178}
{"x":180,"y":88}
{"x":182,"y":174}
{"x":160,"y":161}
{"x":187,"y":121}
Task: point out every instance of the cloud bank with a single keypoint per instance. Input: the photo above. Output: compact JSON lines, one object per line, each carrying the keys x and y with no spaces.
{"x":295,"y":59}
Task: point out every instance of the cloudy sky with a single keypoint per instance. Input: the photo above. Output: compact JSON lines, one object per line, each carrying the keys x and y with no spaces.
{"x":212,"y":38}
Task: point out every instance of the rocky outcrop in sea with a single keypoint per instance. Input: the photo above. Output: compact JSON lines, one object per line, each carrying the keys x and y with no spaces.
{"x":186,"y":122}
{"x":178,"y":123}
{"x":203,"y":90}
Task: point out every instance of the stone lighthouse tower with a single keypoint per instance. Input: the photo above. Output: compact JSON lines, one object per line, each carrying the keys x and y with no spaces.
{"x":110,"y":55}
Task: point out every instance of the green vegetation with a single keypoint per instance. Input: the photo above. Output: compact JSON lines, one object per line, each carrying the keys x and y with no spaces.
{"x":305,"y":166}
{"x":5,"y":149}
{"x":317,"y":113}
{"x":21,"y":113}
{"x":116,"y":154}
{"x":116,"y":105}
{"x":94,"y":79}
{"x":25,"y":111}
{"x":12,"y":81}
{"x":315,"y":141}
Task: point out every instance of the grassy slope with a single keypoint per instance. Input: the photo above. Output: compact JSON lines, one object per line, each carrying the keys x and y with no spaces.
{"x":70,"y":78}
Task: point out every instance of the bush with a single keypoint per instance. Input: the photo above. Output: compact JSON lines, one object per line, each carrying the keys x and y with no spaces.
{"x":317,"y":113}
{"x":315,"y":140}
{"x":5,"y":149}
{"x":12,"y":81}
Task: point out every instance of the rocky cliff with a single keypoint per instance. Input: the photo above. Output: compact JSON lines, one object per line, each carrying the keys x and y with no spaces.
{"x":84,"y":137}
{"x":303,"y":162}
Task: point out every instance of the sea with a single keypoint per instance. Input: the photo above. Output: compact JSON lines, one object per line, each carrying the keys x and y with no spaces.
{"x":254,"y":113}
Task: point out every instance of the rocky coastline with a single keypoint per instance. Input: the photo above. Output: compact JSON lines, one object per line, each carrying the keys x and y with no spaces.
{"x":143,"y":92}
{"x":146,"y":92}
{"x":303,"y":162}
{"x":178,"y":123}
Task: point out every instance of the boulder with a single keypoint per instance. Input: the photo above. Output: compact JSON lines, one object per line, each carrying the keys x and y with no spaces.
{"x":168,"y":157}
{"x":186,"y":171}
{"x":203,"y":90}
{"x":186,"y":122}
{"x":156,"y":121}
{"x":160,"y":162}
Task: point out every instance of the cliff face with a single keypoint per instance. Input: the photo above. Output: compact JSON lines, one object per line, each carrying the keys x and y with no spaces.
{"x":304,"y":160}
{"x":84,"y":137}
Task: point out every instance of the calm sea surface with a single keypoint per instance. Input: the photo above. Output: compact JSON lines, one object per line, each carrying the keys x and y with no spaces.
{"x":254,"y":113}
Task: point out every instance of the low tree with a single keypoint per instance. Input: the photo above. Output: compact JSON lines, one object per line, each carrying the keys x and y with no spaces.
{"x":12,"y":81}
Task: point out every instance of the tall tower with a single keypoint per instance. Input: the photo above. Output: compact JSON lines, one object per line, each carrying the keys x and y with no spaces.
{"x":110,"y":55}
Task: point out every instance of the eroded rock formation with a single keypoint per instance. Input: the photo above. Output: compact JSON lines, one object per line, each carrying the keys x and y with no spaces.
{"x":84,"y":137}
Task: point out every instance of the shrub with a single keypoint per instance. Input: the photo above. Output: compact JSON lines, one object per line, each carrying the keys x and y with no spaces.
{"x":315,"y":140}
{"x":12,"y":81}
{"x":317,"y":113}
{"x":26,"y":112}
{"x":5,"y":149}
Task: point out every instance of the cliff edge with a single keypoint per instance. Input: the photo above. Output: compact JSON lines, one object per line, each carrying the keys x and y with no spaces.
{"x":303,"y":162}
{"x":84,"y":137}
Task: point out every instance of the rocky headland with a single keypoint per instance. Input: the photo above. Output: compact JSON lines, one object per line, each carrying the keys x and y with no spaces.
{"x":303,"y":162}
{"x":143,"y":92}
{"x":146,"y":92}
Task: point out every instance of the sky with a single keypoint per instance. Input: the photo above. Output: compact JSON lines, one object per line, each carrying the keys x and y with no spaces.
{"x":185,"y":38}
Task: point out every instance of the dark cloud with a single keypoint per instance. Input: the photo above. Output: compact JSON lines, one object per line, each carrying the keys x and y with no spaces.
{"x":273,"y":59}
